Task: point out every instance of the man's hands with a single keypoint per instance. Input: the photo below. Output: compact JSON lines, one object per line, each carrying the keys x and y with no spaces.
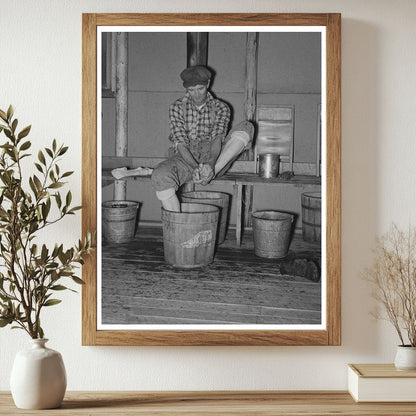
{"x":203,"y":174}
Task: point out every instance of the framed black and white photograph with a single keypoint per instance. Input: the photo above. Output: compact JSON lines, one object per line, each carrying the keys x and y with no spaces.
{"x":211,"y":172}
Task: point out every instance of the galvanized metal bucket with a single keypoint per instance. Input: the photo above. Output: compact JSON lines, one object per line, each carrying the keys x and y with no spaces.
{"x":272,"y":231}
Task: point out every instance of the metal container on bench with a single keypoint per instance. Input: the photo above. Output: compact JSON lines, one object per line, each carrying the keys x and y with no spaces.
{"x":269,"y":165}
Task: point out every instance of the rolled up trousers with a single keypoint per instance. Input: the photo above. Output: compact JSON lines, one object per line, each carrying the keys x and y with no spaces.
{"x":174,"y":171}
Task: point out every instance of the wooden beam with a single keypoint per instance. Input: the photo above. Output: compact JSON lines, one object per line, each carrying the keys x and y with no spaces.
{"x":318,"y":141}
{"x":196,"y":54}
{"x":250,"y":100}
{"x":250,"y":107}
{"x":196,"y":48}
{"x":113,"y":61}
{"x":120,"y":188}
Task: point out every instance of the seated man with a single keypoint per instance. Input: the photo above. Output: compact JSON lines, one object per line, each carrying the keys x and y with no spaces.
{"x":201,"y":148}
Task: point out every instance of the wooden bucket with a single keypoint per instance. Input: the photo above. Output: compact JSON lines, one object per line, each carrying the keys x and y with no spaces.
{"x":119,"y":220}
{"x":272,"y":232}
{"x":311,"y":216}
{"x":189,"y":236}
{"x":218,"y":199}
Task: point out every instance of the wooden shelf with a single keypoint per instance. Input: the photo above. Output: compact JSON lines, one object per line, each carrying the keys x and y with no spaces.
{"x":317,"y":403}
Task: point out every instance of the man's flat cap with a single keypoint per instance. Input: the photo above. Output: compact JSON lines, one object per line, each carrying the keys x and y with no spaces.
{"x":195,"y":75}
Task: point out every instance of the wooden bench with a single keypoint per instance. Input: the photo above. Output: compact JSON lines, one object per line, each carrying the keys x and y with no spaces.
{"x":239,"y":180}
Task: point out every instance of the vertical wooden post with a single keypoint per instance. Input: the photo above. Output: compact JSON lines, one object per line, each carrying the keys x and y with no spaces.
{"x":318,"y":141}
{"x":196,"y":54}
{"x":120,"y":186}
{"x":113,"y":61}
{"x":250,"y":101}
{"x":196,"y":48}
{"x":250,"y":107}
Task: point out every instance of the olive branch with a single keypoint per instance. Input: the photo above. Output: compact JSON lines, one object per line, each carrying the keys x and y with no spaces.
{"x":30,"y":273}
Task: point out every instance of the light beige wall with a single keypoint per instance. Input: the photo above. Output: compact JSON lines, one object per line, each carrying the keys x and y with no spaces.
{"x":41,"y":76}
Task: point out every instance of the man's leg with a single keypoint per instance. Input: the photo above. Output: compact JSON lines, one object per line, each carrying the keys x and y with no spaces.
{"x":169,"y":200}
{"x":240,"y":138}
{"x":167,"y":177}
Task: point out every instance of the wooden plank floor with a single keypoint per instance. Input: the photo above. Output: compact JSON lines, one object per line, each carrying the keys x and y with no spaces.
{"x":138,"y":287}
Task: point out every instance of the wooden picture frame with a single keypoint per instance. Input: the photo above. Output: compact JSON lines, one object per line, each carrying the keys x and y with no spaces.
{"x":331,"y":334}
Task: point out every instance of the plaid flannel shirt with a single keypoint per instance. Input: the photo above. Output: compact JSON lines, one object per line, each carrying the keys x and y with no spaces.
{"x":197,"y":124}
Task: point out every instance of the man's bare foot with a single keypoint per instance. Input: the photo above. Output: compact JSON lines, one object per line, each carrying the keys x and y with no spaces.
{"x":119,"y":173}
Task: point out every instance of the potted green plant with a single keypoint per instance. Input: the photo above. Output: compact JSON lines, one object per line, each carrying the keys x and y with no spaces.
{"x":393,"y":277}
{"x":31,"y":273}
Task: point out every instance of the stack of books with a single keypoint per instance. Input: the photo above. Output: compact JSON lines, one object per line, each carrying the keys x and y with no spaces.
{"x":381,"y":383}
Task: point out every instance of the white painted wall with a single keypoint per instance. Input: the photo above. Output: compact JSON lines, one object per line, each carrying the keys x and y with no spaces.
{"x":40,"y":74}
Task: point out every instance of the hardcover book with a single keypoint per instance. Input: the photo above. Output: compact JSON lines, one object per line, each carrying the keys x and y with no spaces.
{"x":381,"y":383}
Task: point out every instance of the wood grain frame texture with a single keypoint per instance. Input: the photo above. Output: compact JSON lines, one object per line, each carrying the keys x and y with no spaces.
{"x":332,"y":334}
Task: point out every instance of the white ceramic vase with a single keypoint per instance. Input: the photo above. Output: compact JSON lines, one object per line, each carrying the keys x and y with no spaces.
{"x":38,"y":377}
{"x":405,"y":358}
